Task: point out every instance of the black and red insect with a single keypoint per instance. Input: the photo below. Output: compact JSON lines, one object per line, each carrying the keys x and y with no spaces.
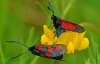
{"x":54,"y":51}
{"x":63,"y":25}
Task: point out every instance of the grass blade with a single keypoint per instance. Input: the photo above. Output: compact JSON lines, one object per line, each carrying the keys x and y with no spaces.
{"x":93,"y":52}
{"x":2,"y":55}
{"x":35,"y":60}
{"x":68,"y":7}
{"x":31,"y":34}
{"x":52,"y":61}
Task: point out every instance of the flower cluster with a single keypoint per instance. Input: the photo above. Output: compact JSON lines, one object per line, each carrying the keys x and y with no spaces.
{"x":72,"y":40}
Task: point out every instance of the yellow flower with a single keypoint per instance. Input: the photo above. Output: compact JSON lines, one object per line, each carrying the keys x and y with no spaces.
{"x":84,"y":44}
{"x":72,"y":40}
{"x":48,"y":37}
{"x":70,"y":48}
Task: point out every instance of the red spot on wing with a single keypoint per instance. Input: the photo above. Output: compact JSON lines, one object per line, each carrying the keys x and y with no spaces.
{"x":50,"y":49}
{"x":40,"y":47}
{"x":67,"y":25}
{"x":58,"y":47}
{"x":47,"y":55}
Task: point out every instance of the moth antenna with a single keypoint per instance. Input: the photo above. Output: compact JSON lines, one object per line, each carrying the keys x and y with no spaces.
{"x":50,"y":8}
{"x":17,"y":55}
{"x":12,"y":41}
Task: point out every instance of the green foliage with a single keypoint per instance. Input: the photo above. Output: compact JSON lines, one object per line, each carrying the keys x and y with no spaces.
{"x":93,"y":53}
{"x":13,"y":27}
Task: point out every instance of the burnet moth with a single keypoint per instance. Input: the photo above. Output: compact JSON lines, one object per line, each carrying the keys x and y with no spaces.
{"x":63,"y":25}
{"x":54,"y":51}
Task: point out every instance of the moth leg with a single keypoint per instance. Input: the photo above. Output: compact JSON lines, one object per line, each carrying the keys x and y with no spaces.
{"x":54,"y":43}
{"x":50,"y":25}
{"x":45,"y":43}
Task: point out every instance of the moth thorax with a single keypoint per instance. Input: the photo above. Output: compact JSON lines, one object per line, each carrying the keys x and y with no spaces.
{"x":56,"y":21}
{"x":31,"y":48}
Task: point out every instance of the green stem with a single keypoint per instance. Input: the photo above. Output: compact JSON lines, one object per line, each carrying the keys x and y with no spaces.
{"x":35,"y":60}
{"x":2,"y":55}
{"x":31,"y":34}
{"x":94,"y":27}
{"x":52,"y":61}
{"x":63,"y":6}
{"x":41,"y":6}
{"x":68,"y":7}
{"x":55,"y":7}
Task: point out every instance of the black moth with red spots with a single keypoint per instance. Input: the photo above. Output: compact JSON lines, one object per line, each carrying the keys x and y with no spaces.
{"x":54,"y":51}
{"x":63,"y":25}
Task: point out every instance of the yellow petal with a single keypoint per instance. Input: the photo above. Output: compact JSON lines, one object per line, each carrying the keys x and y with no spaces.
{"x":80,"y":37}
{"x":50,"y":43}
{"x":48,"y":32}
{"x":44,"y":39}
{"x":45,"y":29}
{"x":74,"y":38}
{"x":84,"y":44}
{"x":70,"y":48}
{"x":64,"y":38}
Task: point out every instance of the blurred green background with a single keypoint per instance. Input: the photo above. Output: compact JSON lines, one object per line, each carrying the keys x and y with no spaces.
{"x":22,"y":20}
